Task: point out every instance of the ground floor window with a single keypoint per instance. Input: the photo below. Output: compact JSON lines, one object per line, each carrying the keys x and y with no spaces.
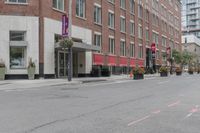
{"x":17,"y":57}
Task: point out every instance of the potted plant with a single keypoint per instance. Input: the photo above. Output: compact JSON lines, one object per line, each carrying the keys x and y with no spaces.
{"x":178,"y":71}
{"x":138,"y":73}
{"x":2,"y":70}
{"x":198,"y":70}
{"x":31,"y":70}
{"x":163,"y":71}
{"x":190,"y":70}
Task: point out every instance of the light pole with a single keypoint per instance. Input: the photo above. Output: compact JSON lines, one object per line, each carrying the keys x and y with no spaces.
{"x":70,"y":48}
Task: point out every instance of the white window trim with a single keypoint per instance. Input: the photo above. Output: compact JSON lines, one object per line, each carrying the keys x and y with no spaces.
{"x":112,"y":37}
{"x":111,"y":11}
{"x":16,"y":3}
{"x":97,"y":33}
{"x":98,"y":5}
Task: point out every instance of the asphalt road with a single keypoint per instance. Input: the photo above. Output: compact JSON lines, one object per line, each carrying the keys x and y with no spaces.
{"x":155,"y":105}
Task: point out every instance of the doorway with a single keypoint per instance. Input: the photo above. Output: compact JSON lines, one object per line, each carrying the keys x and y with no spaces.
{"x":62,"y":64}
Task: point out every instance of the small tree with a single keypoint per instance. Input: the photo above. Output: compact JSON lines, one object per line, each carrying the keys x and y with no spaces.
{"x":178,"y":58}
{"x":66,"y":43}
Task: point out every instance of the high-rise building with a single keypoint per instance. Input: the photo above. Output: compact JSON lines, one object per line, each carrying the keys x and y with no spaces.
{"x":121,"y":30}
{"x":191,"y":17}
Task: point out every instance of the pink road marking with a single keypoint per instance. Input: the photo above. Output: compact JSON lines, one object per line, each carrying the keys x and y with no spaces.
{"x":139,"y":120}
{"x":156,"y":112}
{"x":193,"y":110}
{"x":174,"y":104}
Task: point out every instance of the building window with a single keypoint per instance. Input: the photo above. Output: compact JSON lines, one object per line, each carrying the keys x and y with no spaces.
{"x":112,"y":1}
{"x":17,"y":35}
{"x":140,"y":32}
{"x":132,"y":28}
{"x":123,"y":4}
{"x":17,"y":53}
{"x":132,"y":50}
{"x":155,"y":39}
{"x":111,"y":46}
{"x":58,"y":4}
{"x":164,"y":41}
{"x":132,"y":6}
{"x":97,"y":40}
{"x":17,"y":57}
{"x":122,"y":24}
{"x":122,"y":48}
{"x":80,"y":8}
{"x":157,"y":55}
{"x":97,"y":14}
{"x":111,"y":20}
{"x":147,"y":35}
{"x":17,"y":1}
{"x":140,"y":52}
{"x":140,"y":12}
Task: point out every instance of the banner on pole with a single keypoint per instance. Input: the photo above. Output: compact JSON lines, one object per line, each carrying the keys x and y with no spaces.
{"x":65,"y":25}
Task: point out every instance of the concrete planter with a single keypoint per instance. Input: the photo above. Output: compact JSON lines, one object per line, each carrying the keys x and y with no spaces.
{"x":163,"y":74}
{"x":31,"y":73}
{"x":138,"y":76}
{"x":2,"y":73}
{"x":178,"y":73}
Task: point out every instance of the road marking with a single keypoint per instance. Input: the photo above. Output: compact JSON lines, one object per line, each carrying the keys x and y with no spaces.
{"x":174,"y":104}
{"x":156,"y":112}
{"x":192,"y":111}
{"x":139,"y":120}
{"x":163,"y":82}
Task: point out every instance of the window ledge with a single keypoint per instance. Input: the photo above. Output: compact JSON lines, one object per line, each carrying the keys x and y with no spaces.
{"x":15,"y":3}
{"x":61,"y":11}
{"x":83,"y":18}
{"x":111,"y":28}
{"x":99,"y":24}
{"x":123,"y":32}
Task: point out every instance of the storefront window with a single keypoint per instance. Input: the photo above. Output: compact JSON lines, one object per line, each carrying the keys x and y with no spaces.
{"x":17,"y":57}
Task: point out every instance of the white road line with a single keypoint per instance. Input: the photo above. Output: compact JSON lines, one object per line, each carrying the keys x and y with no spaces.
{"x":163,"y":82}
{"x":139,"y":120}
{"x":174,"y":104}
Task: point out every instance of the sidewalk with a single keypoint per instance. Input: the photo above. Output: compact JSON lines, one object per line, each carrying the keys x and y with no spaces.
{"x":22,"y":84}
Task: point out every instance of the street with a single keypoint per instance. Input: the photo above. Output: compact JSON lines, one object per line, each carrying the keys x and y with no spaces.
{"x":153,"y":105}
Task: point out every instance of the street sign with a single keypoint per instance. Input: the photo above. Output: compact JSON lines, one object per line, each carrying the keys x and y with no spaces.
{"x":153,"y":50}
{"x":65,"y":25}
{"x":153,"y":47}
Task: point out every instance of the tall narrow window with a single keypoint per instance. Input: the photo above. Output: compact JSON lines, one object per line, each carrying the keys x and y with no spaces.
{"x":140,"y":33}
{"x":132,"y":50}
{"x":122,"y":24}
{"x":111,"y":45}
{"x":140,"y":11}
{"x":80,"y":8}
{"x":122,"y":48}
{"x":132,"y":28}
{"x":111,"y":20}
{"x":140,"y":53}
{"x":97,"y":14}
{"x":132,"y":6}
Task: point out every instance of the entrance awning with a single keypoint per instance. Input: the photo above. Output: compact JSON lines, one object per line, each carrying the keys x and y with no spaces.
{"x":80,"y":46}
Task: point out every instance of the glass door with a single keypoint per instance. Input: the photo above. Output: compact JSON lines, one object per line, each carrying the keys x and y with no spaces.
{"x":62,"y":64}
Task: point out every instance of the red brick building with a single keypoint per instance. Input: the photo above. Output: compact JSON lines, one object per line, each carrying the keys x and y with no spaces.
{"x":123,"y":29}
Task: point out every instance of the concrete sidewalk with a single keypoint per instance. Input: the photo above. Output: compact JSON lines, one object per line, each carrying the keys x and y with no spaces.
{"x":24,"y":84}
